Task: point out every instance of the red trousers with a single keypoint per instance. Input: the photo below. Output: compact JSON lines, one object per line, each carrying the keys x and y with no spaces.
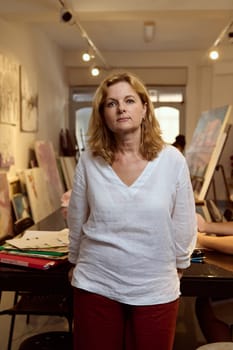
{"x":104,"y":324}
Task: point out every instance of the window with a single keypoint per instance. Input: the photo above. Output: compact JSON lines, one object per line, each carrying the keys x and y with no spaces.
{"x":169,"y":110}
{"x":169,"y":120}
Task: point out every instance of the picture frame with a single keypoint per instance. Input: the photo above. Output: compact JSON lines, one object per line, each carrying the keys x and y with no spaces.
{"x":21,"y":206}
{"x":28,"y":103}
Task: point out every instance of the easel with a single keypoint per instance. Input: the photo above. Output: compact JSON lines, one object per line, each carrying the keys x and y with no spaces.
{"x":219,"y":167}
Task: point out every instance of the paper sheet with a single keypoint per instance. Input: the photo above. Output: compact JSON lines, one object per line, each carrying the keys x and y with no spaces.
{"x":41,"y":239}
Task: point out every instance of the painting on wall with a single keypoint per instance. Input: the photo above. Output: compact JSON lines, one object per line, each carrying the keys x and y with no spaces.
{"x":6,"y":221}
{"x":205,"y":148}
{"x":28,"y":103}
{"x":9,"y":91}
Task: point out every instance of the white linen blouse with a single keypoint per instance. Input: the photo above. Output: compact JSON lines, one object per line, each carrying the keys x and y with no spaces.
{"x":128,"y":241}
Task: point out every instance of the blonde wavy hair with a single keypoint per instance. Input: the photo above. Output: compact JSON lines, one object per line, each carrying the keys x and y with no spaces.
{"x":101,"y":140}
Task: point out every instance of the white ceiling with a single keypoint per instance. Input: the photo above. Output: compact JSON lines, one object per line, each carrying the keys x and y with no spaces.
{"x":117,"y":25}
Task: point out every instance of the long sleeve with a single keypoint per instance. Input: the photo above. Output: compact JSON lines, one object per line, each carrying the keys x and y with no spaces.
{"x":77,"y":212}
{"x":184,"y":219}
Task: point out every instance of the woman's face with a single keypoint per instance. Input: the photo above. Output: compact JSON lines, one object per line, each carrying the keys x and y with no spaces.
{"x":123,"y":108}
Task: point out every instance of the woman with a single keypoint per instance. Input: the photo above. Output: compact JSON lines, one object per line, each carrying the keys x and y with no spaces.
{"x":132,"y":225}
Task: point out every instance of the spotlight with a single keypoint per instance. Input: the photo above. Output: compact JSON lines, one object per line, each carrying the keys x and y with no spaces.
{"x":95,"y":71}
{"x":66,"y":15}
{"x":214,"y":55}
{"x":86,"y":57}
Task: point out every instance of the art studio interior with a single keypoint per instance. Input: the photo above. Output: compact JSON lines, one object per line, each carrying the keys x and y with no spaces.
{"x":53,"y":56}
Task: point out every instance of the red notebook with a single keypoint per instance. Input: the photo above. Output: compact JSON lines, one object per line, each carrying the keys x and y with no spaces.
{"x":27,"y":261}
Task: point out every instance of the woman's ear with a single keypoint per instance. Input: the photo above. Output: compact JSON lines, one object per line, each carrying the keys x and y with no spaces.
{"x":144,"y":111}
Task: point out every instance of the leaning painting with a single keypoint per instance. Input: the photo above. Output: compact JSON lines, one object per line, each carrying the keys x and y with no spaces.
{"x":6,"y":222}
{"x":206,"y":147}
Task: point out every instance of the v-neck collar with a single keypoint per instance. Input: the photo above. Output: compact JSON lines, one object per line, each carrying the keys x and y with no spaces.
{"x":138,"y":181}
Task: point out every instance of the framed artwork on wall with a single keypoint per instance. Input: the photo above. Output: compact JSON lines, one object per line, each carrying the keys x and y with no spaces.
{"x":28,"y":103}
{"x":9,"y":91}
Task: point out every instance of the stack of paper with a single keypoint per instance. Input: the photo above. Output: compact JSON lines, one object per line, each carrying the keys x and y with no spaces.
{"x":36,"y":249}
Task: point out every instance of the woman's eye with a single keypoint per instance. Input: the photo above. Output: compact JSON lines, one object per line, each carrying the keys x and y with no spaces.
{"x":110,"y":104}
{"x":130,"y":100}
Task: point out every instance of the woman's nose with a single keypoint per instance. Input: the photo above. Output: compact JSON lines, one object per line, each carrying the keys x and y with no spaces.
{"x":121,"y":108}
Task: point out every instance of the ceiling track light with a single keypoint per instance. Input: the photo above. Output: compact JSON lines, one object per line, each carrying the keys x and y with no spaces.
{"x":68,"y":17}
{"x":214,"y":52}
{"x":95,"y":71}
{"x":88,"y":55}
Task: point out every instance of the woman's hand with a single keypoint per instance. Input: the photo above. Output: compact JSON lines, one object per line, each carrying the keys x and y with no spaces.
{"x":201,"y":223}
{"x":70,"y":273}
{"x":180,"y":273}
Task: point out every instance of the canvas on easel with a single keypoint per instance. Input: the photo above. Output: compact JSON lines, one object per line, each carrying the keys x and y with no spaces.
{"x":206,"y":146}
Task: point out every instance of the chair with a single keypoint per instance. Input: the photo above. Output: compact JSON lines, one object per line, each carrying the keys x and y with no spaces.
{"x":28,"y":303}
{"x":217,"y":346}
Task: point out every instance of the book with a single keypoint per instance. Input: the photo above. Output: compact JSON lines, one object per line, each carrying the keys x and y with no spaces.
{"x":49,"y":254}
{"x":28,"y":261}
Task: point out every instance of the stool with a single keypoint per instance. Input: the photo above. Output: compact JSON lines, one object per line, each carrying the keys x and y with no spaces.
{"x":48,"y":341}
{"x":217,"y":346}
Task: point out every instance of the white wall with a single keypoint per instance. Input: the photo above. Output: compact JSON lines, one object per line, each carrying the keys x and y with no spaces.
{"x":43,"y":63}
